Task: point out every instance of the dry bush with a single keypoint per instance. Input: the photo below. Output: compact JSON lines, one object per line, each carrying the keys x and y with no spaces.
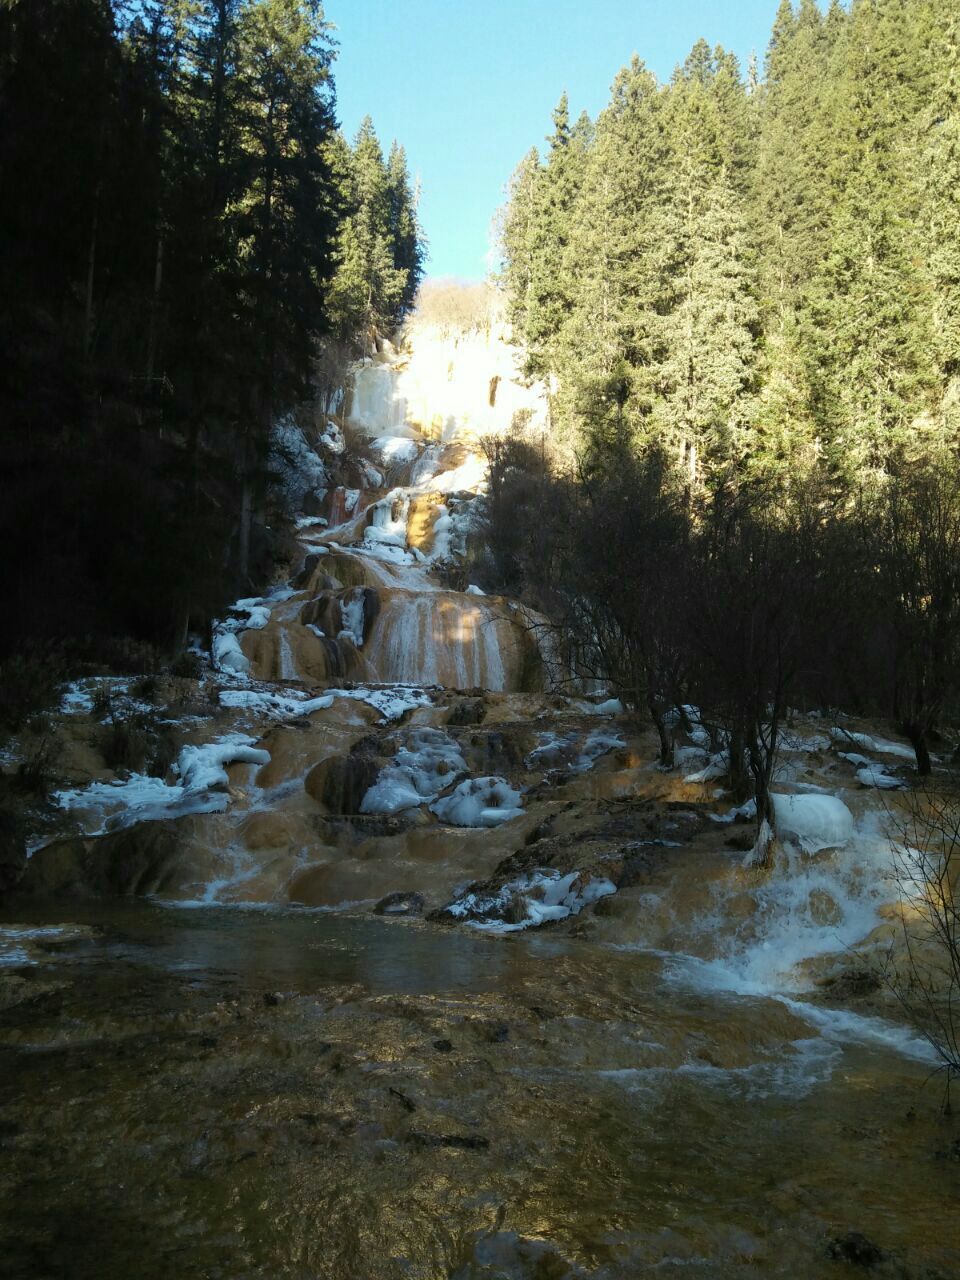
{"x":925,"y":975}
{"x":453,"y":306}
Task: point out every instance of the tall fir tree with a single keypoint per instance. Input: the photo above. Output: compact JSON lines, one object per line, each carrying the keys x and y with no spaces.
{"x":707,"y":308}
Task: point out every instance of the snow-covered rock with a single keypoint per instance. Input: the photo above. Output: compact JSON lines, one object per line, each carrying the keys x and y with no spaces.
{"x":874,"y":775}
{"x":530,"y":900}
{"x":479,"y":802}
{"x":813,"y":822}
{"x":227,"y":654}
{"x":880,"y":746}
{"x":427,"y":762}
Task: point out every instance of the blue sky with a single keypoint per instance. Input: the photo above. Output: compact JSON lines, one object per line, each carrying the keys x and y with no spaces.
{"x":468,"y":87}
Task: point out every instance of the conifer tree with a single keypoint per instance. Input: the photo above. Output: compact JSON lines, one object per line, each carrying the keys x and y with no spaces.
{"x":707,"y":309}
{"x":369,"y":288}
{"x":409,"y":249}
{"x":604,"y":350}
{"x":550,"y":283}
{"x":518,"y":240}
{"x":869,"y":332}
{"x":939,"y":191}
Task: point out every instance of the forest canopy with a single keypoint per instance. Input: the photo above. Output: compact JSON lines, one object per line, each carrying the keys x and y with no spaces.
{"x":756,"y":271}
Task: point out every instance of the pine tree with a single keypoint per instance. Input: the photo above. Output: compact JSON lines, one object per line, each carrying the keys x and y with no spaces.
{"x":517,"y":233}
{"x":938,"y":182}
{"x":287,"y":216}
{"x":605,"y":348}
{"x":548,"y":300}
{"x":368,"y":289}
{"x":707,"y":308}
{"x":868,"y":327}
{"x":409,"y":248}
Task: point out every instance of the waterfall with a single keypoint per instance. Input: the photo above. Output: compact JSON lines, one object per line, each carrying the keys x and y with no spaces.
{"x":444,"y":638}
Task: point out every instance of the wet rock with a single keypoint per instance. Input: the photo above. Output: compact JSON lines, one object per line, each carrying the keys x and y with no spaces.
{"x":467,"y":712}
{"x":498,"y":1034}
{"x":852,"y":985}
{"x":408,"y":1104}
{"x":542,"y":1013}
{"x":339,"y":783}
{"x":505,"y":1253}
{"x":452,"y":1141}
{"x":400,"y":904}
{"x":366,"y":826}
{"x":307,"y":572}
{"x":542,"y":831}
{"x":497,"y":752}
{"x":742,"y":841}
{"x":272,"y":998}
{"x":855,"y":1248}
{"x":614,"y":907}
{"x":150,"y":858}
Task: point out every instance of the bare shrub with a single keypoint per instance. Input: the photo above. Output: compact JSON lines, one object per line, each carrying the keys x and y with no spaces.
{"x":453,"y":306}
{"x":925,"y":974}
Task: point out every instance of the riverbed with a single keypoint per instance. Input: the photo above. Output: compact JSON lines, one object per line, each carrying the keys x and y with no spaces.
{"x":294,"y":1093}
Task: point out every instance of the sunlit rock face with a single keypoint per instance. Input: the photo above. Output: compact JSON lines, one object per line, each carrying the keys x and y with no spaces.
{"x":448,"y":639}
{"x":374,"y":599}
{"x":386,"y":634}
{"x":445,"y":381}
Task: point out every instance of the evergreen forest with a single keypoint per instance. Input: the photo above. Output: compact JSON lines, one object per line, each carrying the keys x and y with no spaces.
{"x":741,"y":289}
{"x":189,"y":249}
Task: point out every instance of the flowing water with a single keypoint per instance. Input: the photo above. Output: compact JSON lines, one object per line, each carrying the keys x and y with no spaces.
{"x":276,"y":1093}
{"x":247,"y":1072}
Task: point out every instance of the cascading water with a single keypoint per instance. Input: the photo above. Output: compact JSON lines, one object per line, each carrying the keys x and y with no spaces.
{"x":652,"y":1083}
{"x":436,"y":638}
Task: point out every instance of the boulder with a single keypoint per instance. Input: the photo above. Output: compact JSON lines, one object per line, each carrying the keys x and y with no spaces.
{"x":339,"y":783}
{"x":148,"y":858}
{"x":467,"y":712}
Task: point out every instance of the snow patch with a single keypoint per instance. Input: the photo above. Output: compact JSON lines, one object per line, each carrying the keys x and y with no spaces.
{"x":227,"y":654}
{"x":479,"y":802}
{"x":351,"y":615}
{"x":530,"y":900}
{"x":332,"y":439}
{"x":283,"y":706}
{"x":109,"y":806}
{"x":395,"y":449}
{"x":880,"y":746}
{"x":874,"y":775}
{"x":426,"y":763}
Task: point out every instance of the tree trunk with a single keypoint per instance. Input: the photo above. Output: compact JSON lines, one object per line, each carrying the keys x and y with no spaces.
{"x":246,"y":509}
{"x":663,"y":733}
{"x":91,"y":276}
{"x":739,"y":781}
{"x":246,"y":516}
{"x":918,"y":740}
{"x":766,"y":819}
{"x":155,"y":310}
